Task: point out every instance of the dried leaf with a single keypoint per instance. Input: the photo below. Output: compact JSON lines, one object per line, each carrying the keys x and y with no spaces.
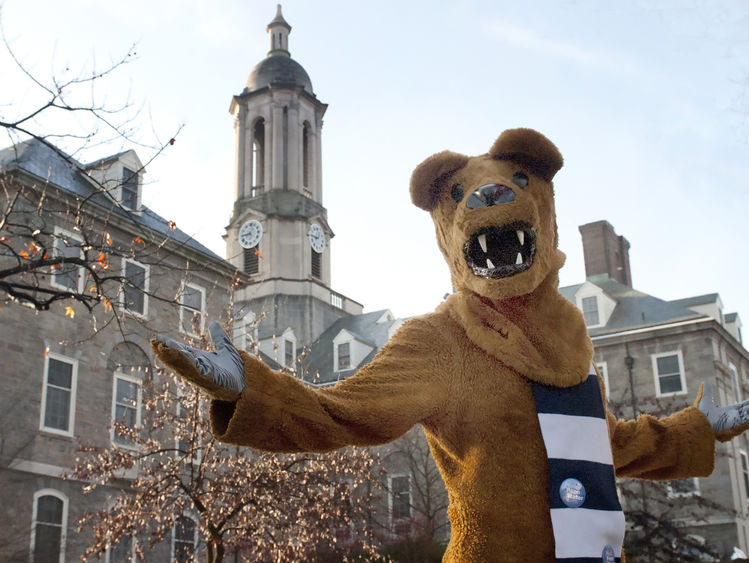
{"x":69,"y":312}
{"x":107,"y":238}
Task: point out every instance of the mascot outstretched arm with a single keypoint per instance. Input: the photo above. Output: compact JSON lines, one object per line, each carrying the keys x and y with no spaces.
{"x":500,"y":377}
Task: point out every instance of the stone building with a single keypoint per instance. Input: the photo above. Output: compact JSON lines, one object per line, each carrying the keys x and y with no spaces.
{"x":68,"y":377}
{"x":654,"y":354}
{"x":65,"y":375}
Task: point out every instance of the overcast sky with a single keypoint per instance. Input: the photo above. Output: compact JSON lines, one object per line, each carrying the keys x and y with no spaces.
{"x":647,"y":101}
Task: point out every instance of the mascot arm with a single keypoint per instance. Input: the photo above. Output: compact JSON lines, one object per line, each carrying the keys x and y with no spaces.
{"x":278,"y":412}
{"x":678,"y":446}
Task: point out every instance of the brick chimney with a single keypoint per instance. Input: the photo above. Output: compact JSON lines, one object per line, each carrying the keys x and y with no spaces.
{"x":605,"y":252}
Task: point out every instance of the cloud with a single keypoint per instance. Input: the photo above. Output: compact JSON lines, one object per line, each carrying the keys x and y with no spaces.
{"x":530,"y":40}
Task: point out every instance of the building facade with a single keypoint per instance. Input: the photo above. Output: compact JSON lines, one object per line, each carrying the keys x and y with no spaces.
{"x":68,"y":374}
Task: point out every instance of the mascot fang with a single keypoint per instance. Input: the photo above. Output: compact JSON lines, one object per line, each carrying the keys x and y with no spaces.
{"x":499,"y":376}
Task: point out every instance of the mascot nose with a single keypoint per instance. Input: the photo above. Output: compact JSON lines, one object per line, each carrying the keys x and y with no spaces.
{"x":490,"y":194}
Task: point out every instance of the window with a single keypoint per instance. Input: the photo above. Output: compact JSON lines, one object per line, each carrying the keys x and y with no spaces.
{"x":344,"y":356}
{"x":187,"y":431}
{"x":288,"y":353}
{"x":400,"y":497}
{"x":603,"y":369}
{"x":590,"y":311}
{"x":336,"y":300}
{"x":126,"y":397}
{"x":668,"y":370}
{"x":134,"y":290}
{"x":48,"y":527}
{"x":122,"y":552}
{"x":735,"y":382}
{"x":192,"y":301}
{"x":305,"y":154}
{"x":58,"y":395}
{"x":67,"y":276}
{"x":316,"y":265}
{"x":184,"y":536}
{"x":683,"y":487}
{"x":129,"y":188}
{"x":258,"y":157}
{"x":251,"y":260}
{"x":745,"y":472}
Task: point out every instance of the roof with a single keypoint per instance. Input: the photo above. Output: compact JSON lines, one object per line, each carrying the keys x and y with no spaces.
{"x":59,"y":169}
{"x":706,"y":299}
{"x":318,"y":363}
{"x":278,"y":70}
{"x":634,"y":309}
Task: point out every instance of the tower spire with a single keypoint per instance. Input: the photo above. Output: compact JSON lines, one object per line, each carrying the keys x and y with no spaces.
{"x":278,"y":31}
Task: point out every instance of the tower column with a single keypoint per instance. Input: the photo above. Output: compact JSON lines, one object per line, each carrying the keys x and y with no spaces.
{"x":240,"y":127}
{"x":318,"y":157}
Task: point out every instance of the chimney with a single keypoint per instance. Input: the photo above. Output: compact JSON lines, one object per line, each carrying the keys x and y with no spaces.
{"x":605,"y":252}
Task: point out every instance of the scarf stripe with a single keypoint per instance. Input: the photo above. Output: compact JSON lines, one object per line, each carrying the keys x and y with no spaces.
{"x":562,"y":437}
{"x":588,"y":526}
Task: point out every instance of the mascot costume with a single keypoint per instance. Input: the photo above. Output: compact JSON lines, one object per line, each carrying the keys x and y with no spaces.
{"x":500,"y":377}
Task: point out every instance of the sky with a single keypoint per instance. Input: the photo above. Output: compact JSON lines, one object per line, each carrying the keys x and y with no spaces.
{"x":647,"y":101}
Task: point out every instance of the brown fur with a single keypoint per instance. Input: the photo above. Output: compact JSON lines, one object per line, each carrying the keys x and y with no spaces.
{"x":465,"y":373}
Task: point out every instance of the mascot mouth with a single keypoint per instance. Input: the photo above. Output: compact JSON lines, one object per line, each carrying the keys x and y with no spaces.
{"x":501,"y":252}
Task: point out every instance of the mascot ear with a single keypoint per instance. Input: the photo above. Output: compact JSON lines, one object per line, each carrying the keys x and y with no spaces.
{"x":429,"y":178}
{"x":528,"y":148}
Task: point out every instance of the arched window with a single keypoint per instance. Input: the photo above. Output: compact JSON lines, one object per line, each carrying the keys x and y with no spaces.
{"x":258,"y":156}
{"x":48,"y":526}
{"x":305,"y":154}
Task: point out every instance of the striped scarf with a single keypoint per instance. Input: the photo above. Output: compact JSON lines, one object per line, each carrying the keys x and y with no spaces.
{"x":586,"y":516}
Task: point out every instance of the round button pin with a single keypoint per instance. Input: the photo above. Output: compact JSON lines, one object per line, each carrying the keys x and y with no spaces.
{"x":608,"y":555}
{"x":572,"y":492}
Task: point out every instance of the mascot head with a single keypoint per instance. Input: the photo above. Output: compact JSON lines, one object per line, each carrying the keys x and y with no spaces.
{"x":494,"y":214}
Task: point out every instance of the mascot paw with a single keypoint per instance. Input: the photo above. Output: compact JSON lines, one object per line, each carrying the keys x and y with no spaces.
{"x":220,"y":374}
{"x":727,"y":422}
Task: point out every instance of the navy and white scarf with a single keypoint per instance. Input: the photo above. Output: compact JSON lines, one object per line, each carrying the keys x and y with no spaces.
{"x":586,"y":516}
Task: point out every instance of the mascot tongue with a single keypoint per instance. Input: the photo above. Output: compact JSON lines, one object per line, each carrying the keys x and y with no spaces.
{"x":541,"y":335}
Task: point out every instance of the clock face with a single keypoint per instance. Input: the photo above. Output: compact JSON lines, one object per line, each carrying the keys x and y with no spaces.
{"x":316,"y":238}
{"x":250,"y":234}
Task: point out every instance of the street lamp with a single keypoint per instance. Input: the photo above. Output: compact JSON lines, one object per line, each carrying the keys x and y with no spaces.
{"x":629,"y":361}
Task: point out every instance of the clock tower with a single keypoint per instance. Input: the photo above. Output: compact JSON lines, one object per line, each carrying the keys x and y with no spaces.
{"x":278,"y":233}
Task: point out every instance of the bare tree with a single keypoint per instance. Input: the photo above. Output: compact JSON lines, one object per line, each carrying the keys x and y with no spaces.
{"x":63,"y":222}
{"x":262,"y":507}
{"x":419,"y":537}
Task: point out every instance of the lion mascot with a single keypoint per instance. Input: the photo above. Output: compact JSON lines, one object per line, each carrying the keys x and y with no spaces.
{"x":500,"y":377}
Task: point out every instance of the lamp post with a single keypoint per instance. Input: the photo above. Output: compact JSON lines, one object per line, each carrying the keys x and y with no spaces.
{"x":629,"y":361}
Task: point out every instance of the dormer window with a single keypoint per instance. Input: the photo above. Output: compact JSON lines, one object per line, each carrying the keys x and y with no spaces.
{"x":596,"y":306}
{"x":129,"y":188}
{"x":344,"y":356}
{"x":590,"y":310}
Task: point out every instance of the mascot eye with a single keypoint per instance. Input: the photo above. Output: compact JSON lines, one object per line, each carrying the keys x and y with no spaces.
{"x":520,"y":179}
{"x":457,"y":192}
